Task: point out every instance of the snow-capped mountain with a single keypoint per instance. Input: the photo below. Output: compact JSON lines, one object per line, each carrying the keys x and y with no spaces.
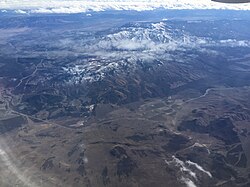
{"x":138,"y":44}
{"x":131,"y":46}
{"x":145,"y":37}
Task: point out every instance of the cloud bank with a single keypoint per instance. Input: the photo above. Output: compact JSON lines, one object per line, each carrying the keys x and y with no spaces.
{"x":80,"y":6}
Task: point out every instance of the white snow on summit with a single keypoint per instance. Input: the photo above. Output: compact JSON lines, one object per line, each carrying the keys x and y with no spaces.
{"x":79,"y":6}
{"x":138,"y":42}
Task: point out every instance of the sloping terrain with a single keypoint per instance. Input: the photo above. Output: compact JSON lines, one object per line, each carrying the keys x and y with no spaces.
{"x":133,"y":103}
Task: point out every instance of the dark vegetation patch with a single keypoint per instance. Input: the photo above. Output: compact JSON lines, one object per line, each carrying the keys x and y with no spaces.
{"x":140,"y":153}
{"x":137,"y":138}
{"x":48,"y":134}
{"x":11,"y":68}
{"x":221,"y":129}
{"x":118,"y":152}
{"x":73,"y":150}
{"x":81,"y":170}
{"x":105,"y":177}
{"x":41,"y":101}
{"x":242,"y":162}
{"x":176,"y":143}
{"x":48,"y":164}
{"x":125,"y":164}
{"x":7,"y":125}
{"x":234,"y":156}
{"x":220,"y":169}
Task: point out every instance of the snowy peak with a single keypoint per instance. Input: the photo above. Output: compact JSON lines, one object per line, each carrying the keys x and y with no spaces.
{"x":148,"y":38}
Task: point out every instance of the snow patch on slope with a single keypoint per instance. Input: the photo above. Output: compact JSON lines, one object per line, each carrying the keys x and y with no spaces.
{"x":134,"y":44}
{"x":199,"y":168}
{"x":127,"y":47}
{"x":188,"y":171}
{"x":188,"y":182}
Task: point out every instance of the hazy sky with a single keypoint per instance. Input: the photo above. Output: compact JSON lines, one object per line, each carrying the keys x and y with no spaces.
{"x":75,"y":6}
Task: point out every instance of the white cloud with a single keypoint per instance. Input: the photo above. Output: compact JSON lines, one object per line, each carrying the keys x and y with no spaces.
{"x":78,"y":6}
{"x":235,"y":43}
{"x":20,"y":11}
